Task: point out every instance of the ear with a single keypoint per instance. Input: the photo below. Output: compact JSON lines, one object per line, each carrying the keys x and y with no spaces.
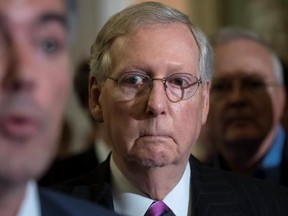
{"x":206,"y":101}
{"x":94,"y":95}
{"x":281,"y":101}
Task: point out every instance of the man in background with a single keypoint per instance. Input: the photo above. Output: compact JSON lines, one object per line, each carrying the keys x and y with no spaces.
{"x":35,"y":83}
{"x":246,"y":106}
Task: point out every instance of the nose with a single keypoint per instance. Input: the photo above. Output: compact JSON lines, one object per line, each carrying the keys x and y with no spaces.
{"x":157,"y":100}
{"x":236,"y":92}
{"x":17,"y":73}
{"x":237,"y":96}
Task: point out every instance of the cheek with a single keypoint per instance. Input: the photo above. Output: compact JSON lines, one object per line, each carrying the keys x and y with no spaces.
{"x":56,"y":89}
{"x":277,"y":104}
{"x":113,"y":107}
{"x":214,"y":111}
{"x":120,"y":122}
{"x":191,"y":121}
{"x":217,"y":109}
{"x":115,"y":113}
{"x":64,"y":73}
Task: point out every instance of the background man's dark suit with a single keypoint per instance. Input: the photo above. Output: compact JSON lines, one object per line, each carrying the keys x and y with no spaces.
{"x":214,"y":192}
{"x":280,"y":172}
{"x":55,"y":204}
{"x":284,"y":163}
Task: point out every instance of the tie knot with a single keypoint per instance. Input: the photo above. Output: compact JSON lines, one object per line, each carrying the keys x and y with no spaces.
{"x":157,"y":208}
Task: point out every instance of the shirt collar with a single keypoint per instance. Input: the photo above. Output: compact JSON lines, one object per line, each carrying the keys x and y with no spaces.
{"x":124,"y":194}
{"x":101,"y":149}
{"x":30,"y":205}
{"x":274,"y":155}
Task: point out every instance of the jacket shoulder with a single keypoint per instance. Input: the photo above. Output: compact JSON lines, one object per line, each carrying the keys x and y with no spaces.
{"x":215,"y":190}
{"x":55,"y":203}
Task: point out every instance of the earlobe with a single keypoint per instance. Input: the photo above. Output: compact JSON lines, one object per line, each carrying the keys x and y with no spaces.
{"x":281,"y":97}
{"x":94,"y":95}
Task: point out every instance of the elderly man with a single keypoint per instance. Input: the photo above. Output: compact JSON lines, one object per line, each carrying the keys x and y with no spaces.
{"x":35,"y":83}
{"x":150,"y":82}
{"x":247,"y":102}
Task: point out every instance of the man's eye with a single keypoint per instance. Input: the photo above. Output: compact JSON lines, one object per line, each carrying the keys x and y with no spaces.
{"x":219,"y":87}
{"x":133,"y":79}
{"x":50,"y":46}
{"x":181,"y":81}
{"x":254,"y":84}
{"x":178,"y":81}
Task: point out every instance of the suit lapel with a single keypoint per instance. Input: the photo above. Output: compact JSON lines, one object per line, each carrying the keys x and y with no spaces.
{"x":100,"y":189}
{"x":211,"y":193}
{"x":49,"y":207}
{"x":284,"y":164}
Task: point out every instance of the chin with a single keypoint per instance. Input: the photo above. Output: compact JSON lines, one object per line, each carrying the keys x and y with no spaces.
{"x":152,"y":156}
{"x":150,"y":161}
{"x":19,"y":176}
{"x":153,"y":163}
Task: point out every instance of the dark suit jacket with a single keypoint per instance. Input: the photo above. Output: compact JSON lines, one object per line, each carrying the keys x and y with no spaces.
{"x":56,"y":204}
{"x":71,"y":167}
{"x":279,"y":174}
{"x":284,"y":164}
{"x":213,"y":192}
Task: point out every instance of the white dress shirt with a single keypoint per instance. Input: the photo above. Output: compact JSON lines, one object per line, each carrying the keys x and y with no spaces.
{"x":131,"y":202}
{"x":101,"y":150}
{"x":31,"y":204}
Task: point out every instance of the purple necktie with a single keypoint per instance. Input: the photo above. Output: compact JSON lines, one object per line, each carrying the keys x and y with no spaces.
{"x":157,"y":208}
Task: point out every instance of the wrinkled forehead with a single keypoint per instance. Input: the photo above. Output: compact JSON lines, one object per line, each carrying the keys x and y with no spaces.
{"x":244,"y":57}
{"x":244,"y":76}
{"x":24,"y":12}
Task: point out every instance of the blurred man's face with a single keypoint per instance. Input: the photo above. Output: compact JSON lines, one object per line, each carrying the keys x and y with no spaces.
{"x":34,"y":82}
{"x":246,"y":99}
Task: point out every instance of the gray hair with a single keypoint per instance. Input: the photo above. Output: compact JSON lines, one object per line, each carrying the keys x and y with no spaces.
{"x":229,"y":34}
{"x":132,"y":19}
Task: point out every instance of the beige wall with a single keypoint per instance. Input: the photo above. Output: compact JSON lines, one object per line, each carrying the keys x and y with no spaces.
{"x":181,"y":5}
{"x":207,"y":14}
{"x":93,"y":14}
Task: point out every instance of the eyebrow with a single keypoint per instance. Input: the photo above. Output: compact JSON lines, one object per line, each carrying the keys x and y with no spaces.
{"x":52,"y":17}
{"x":46,"y":18}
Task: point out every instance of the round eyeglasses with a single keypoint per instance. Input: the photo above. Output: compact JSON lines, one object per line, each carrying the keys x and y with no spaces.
{"x":179,"y":86}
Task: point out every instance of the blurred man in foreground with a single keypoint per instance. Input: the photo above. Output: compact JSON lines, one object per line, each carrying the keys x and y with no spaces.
{"x":35,"y":83}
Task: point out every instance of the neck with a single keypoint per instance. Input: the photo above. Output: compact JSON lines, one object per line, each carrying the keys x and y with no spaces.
{"x":154,"y":182}
{"x":241,"y":168}
{"x":246,"y":162}
{"x":11,"y":197}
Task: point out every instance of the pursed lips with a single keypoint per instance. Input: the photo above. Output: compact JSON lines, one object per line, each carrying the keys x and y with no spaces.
{"x":238,"y":119}
{"x":20,"y":125}
{"x":154,"y":136}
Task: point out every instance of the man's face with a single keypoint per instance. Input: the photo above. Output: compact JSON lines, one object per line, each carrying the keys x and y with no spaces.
{"x":34,"y":81}
{"x":246,"y":100}
{"x":150,"y":130}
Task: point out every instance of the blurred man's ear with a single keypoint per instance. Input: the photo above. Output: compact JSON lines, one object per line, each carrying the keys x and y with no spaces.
{"x":281,"y":101}
{"x":94,"y":94}
{"x":206,"y":100}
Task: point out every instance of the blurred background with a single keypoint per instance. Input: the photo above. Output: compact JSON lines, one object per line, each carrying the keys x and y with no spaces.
{"x":269,"y":17}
